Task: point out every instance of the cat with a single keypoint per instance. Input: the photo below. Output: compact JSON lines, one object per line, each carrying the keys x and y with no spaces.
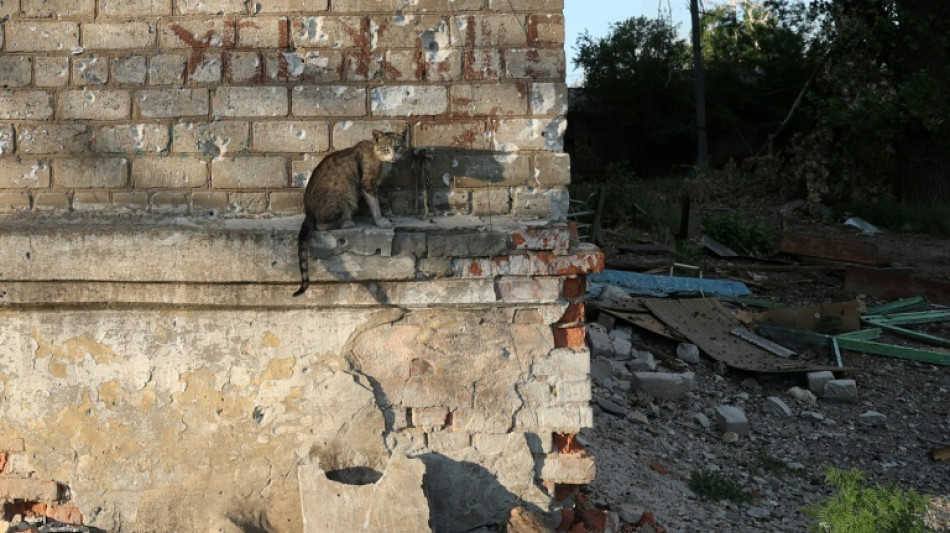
{"x":334,"y":189}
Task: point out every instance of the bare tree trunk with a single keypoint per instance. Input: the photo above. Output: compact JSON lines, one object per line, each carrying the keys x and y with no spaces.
{"x":699,"y":83}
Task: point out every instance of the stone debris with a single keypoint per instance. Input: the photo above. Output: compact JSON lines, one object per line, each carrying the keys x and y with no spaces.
{"x":731,"y":418}
{"x":663,"y":385}
{"x":776,"y":406}
{"x":872,"y":418}
{"x":688,"y":352}
{"x":842,"y":390}
{"x":802,"y":395}
{"x":817,"y":381}
{"x":526,"y":521}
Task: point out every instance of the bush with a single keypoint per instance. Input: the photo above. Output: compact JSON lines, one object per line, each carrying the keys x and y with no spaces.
{"x":859,"y":508}
{"x":739,"y":232}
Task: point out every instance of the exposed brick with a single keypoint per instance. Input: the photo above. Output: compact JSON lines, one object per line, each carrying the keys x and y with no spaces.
{"x":248,"y":172}
{"x":130,"y":202}
{"x":211,"y":7}
{"x":284,"y":6}
{"x":132,"y":138}
{"x":567,"y":443}
{"x":529,"y":134}
{"x":12,"y":444}
{"x":211,"y":139}
{"x":575,"y":287}
{"x":243,"y":67}
{"x":286,"y":202}
{"x":568,"y":337}
{"x":552,"y":169}
{"x":247,"y":202}
{"x":197,"y":34}
{"x":531,"y":264}
{"x":14,"y":202}
{"x":90,"y":69}
{"x":51,"y":202}
{"x":330,"y":32}
{"x":169,"y":173}
{"x":25,"y":104}
{"x":124,"y":8}
{"x":37,"y":36}
{"x":15,"y":71}
{"x":291,"y":136}
{"x":57,"y":8}
{"x":67,"y":514}
{"x":448,"y":441}
{"x":165,"y":103}
{"x":493,"y":30}
{"x":94,"y":104}
{"x":369,"y":6}
{"x":574,"y":313}
{"x":20,"y":173}
{"x":577,"y":469}
{"x":483,"y":64}
{"x":316,"y":66}
{"x":402,"y":100}
{"x":481,"y":170}
{"x":573,"y":391}
{"x":52,"y":71}
{"x":418,"y":65}
{"x":489,"y":99}
{"x":556,"y":238}
{"x":549,"y":99}
{"x":491,"y":202}
{"x":169,"y":203}
{"x":118,"y":35}
{"x":92,"y":201}
{"x":54,"y":138}
{"x":301,"y":170}
{"x":546,"y":29}
{"x":167,"y":69}
{"x":209,"y":202}
{"x":36,"y":490}
{"x":535,"y":63}
{"x":430,"y":417}
{"x":530,"y":202}
{"x":103,"y":173}
{"x":207,"y":69}
{"x":328,"y":101}
{"x":250,"y":101}
{"x":263,"y":32}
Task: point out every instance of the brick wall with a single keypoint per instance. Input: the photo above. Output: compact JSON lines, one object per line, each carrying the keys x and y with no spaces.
{"x":225,"y":106}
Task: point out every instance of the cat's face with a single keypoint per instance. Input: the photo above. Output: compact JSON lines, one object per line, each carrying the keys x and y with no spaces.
{"x":389,"y":146}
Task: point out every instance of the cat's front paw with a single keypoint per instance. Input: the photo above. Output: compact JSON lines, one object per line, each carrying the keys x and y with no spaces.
{"x":384,"y":223}
{"x":347,"y":224}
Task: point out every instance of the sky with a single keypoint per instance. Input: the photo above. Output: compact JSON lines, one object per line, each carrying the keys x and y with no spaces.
{"x":595,"y":16}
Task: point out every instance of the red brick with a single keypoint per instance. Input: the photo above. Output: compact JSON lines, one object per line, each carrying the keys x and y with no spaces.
{"x":657,"y":467}
{"x":575,"y":287}
{"x":578,"y":528}
{"x":563,"y":491}
{"x":594,"y":520}
{"x":567,"y":520}
{"x":572,"y":337}
{"x":567,"y":443}
{"x":67,"y":514}
{"x":573,"y":314}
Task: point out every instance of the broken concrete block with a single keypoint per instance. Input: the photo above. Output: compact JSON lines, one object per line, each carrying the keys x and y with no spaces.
{"x":396,"y":502}
{"x":702,"y":420}
{"x":527,"y":521}
{"x":688,"y":353}
{"x":817,"y":381}
{"x":612,"y":407}
{"x":606,"y":320}
{"x":662,"y":385}
{"x":775,"y":406}
{"x":643,"y":361}
{"x":729,"y":418}
{"x":842,"y":390}
{"x":802,"y":395}
{"x":600,"y":343}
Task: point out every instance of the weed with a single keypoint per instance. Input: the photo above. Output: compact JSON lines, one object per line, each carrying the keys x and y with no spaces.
{"x":860,"y":508}
{"x":713,"y":485}
{"x":770,"y":463}
{"x":739,"y":232}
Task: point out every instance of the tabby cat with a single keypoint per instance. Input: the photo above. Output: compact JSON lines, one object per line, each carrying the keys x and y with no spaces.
{"x":334,"y":189}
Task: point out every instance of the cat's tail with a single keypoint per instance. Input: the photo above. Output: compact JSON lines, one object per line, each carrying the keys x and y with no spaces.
{"x":303,"y":253}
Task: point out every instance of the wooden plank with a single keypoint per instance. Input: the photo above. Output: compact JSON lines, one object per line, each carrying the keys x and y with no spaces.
{"x":889,"y":286}
{"x":707,"y":324}
{"x":832,"y":318}
{"x":941,"y":453}
{"x":833,"y":249}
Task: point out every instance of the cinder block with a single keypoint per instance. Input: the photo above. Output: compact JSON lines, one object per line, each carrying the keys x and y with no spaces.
{"x":535,"y":63}
{"x":20,"y":173}
{"x":251,"y":101}
{"x":89,"y":172}
{"x":167,"y":69}
{"x":41,"y":36}
{"x":359,"y":241}
{"x":496,"y":99}
{"x":731,"y":419}
{"x":249,"y":172}
{"x":130,"y":70}
{"x":135,"y":8}
{"x":169,"y":203}
{"x":328,"y":101}
{"x":286,"y":202}
{"x":94,"y":104}
{"x":57,"y":138}
{"x":118,"y":35}
{"x":491,"y":30}
{"x":253,"y":203}
{"x":25,"y":104}
{"x":132,"y":139}
{"x":575,"y":468}
{"x":51,"y":71}
{"x":263,"y":32}
{"x":28,"y":489}
{"x":662,"y":385}
{"x":818,"y":380}
{"x":844,"y":390}
{"x":172,"y":103}
{"x":211,"y":7}
{"x":15,"y":71}
{"x":212,"y":139}
{"x":291,"y":136}
{"x":57,"y":8}
{"x":403,"y":100}
{"x":244,"y":67}
{"x":332,"y":31}
{"x":284,"y":6}
{"x":14,"y":202}
{"x":169,"y":173}
{"x":448,"y":441}
{"x":546,"y":29}
{"x":196,"y":32}
{"x":552,"y":169}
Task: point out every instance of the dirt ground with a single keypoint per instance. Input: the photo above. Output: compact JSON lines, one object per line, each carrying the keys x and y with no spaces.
{"x":647,"y":453}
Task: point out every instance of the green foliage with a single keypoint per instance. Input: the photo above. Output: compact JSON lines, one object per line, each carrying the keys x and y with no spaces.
{"x":716,"y":486}
{"x":860,"y":508}
{"x":739,"y":232}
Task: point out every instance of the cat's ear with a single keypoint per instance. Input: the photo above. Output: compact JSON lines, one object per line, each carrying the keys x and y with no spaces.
{"x":377,"y":135}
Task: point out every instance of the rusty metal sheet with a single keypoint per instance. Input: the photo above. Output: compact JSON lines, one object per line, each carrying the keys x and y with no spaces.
{"x":890,"y":285}
{"x":832,"y":319}
{"x":833,"y":249}
{"x":707,"y":324}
